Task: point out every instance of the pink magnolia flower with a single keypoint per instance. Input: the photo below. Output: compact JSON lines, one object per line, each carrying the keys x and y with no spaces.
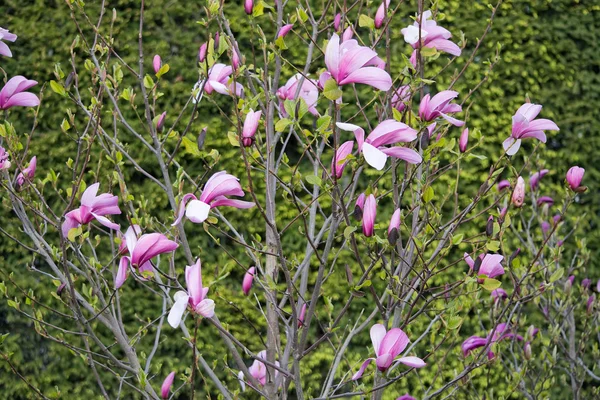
{"x":160,"y":122}
{"x":499,"y":294}
{"x":518,"y":196}
{"x":202,"y":52}
{"x":545,"y":200}
{"x":27,"y":174}
{"x":439,"y":106}
{"x":235,"y":58}
{"x":166,"y":386}
{"x":156,"y":63}
{"x":432,"y":36}
{"x":302,"y":315}
{"x":369,"y":215}
{"x":92,"y":208}
{"x":285,"y":30}
{"x":247,"y":281}
{"x":388,"y":346}
{"x":309,"y":92}
{"x":4,"y":162}
{"x":258,"y":370}
{"x":248,"y":6}
{"x":141,"y":251}
{"x":501,"y":332}
{"x":400,"y":97}
{"x":524,"y":125}
{"x":490,"y":264}
{"x":386,"y":133}
{"x":358,"y":207}
{"x":195,"y":297}
{"x":464,"y":140}
{"x":351,"y":63}
{"x":13,"y":93}
{"x":574,"y":177}
{"x":380,"y":14}
{"x":534,"y":180}
{"x":218,"y":81}
{"x":406,"y":397}
{"x":394,"y":221}
{"x":10,"y":37}
{"x":250,"y":127}
{"x":336,"y":21}
{"x":503,"y":185}
{"x":215,"y":193}
{"x":341,"y":158}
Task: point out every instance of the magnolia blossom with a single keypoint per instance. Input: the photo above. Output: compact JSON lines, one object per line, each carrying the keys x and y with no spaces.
{"x":545,"y":200}
{"x":309,"y":92}
{"x":202,"y":52}
{"x":14,"y":94}
{"x":9,"y":37}
{"x":341,"y":158}
{"x":27,"y":174}
{"x":380,"y":14}
{"x":358,"y":207}
{"x":349,"y":62}
{"x":574,"y":177}
{"x":156,"y":63}
{"x":503,"y":184}
{"x":141,"y":251}
{"x":406,"y":397}
{"x":534,"y":180}
{"x":235,"y":57}
{"x":160,"y":122}
{"x":4,"y":162}
{"x":195,"y":297}
{"x":250,"y":127}
{"x":464,"y":140}
{"x":336,"y":21}
{"x":92,"y":208}
{"x":400,"y":97}
{"x":490,"y":265}
{"x":368,"y":212}
{"x":524,"y":125}
{"x":501,"y":332}
{"x":301,"y":315}
{"x":258,"y":370}
{"x":218,"y":81}
{"x":431,"y":35}
{"x":215,"y":193}
{"x":388,"y":345}
{"x":247,"y":281}
{"x":394,"y":227}
{"x":285,"y":30}
{"x":499,"y":294}
{"x":439,"y":106}
{"x":386,"y":133}
{"x":518,"y":196}
{"x":166,"y":386}
{"x":248,"y":6}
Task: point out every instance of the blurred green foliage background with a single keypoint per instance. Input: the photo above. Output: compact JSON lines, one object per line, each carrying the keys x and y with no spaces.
{"x":550,"y":52}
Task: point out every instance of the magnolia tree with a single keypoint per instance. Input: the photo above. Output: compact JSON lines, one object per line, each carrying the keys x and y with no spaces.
{"x":491,"y":282}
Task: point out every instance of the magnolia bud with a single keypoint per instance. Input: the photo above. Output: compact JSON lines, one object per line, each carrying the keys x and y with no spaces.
{"x":248,"y":6}
{"x":201,"y":138}
{"x":574,"y":177}
{"x":489,"y":227}
{"x":156,"y":63}
{"x":527,"y":351}
{"x":60,"y":289}
{"x":518,"y":196}
{"x":464,"y":140}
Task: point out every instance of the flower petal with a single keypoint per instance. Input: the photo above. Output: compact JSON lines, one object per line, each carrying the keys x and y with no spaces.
{"x":179,"y":307}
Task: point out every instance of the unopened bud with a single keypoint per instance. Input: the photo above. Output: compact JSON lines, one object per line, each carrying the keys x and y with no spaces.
{"x":489,"y":227}
{"x":60,"y":289}
{"x":201,"y":138}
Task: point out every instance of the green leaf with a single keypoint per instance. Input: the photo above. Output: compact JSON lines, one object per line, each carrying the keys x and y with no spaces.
{"x":313,"y":180}
{"x":365,"y":21}
{"x":258,"y":9}
{"x":282,"y":124}
{"x":163,"y":70}
{"x":233,"y":139}
{"x":331,"y":90}
{"x":557,"y":275}
{"x":148,"y":82}
{"x":457,"y":239}
{"x":493,"y":245}
{"x":73,"y":233}
{"x":428,"y":194}
{"x":58,"y":88}
{"x":454,"y":322}
{"x":490,"y":284}
{"x":348,"y":231}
